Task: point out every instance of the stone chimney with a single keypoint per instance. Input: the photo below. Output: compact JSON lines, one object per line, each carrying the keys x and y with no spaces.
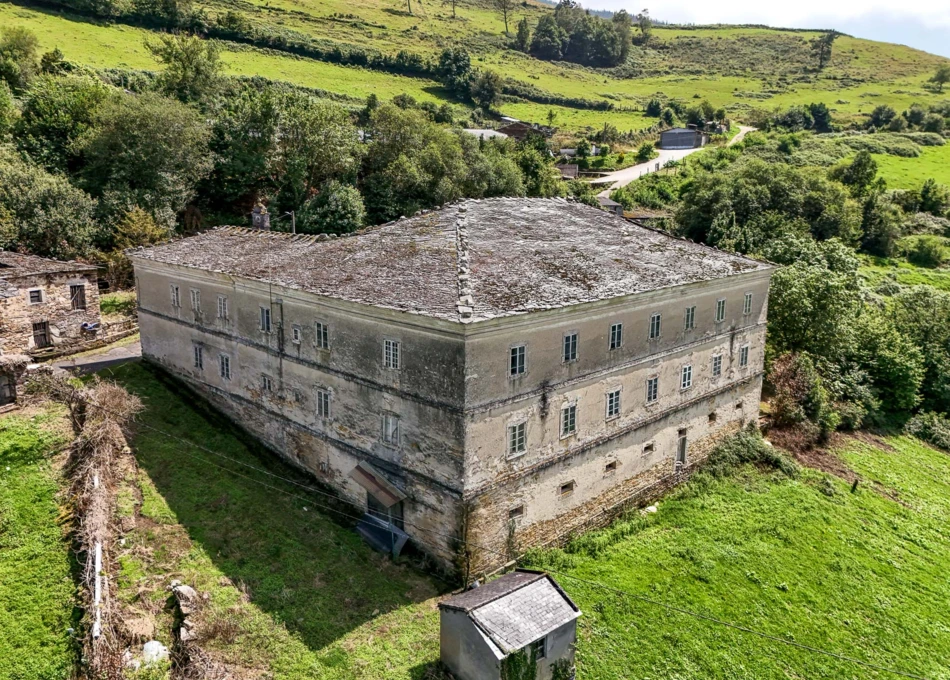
{"x":260,"y":218}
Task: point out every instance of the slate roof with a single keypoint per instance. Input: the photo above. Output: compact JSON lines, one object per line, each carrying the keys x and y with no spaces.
{"x":13,"y":265}
{"x":469,"y":261}
{"x":516,"y":609}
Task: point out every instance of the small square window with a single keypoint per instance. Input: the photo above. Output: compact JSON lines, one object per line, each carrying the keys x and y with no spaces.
{"x":655,"y":326}
{"x":712,"y":417}
{"x":222,"y":307}
{"x":717,"y":365}
{"x":653,"y":389}
{"x":265,"y":319}
{"x":199,"y":357}
{"x":391,"y":354}
{"x":323,"y":403}
{"x":77,"y":296}
{"x":720,"y":310}
{"x":738,"y":405}
{"x":391,"y":429}
{"x":322,"y":335}
{"x":267,"y":384}
{"x":611,"y":467}
{"x":568,"y":420}
{"x":36,"y":296}
{"x":686,"y":380}
{"x":616,"y":336}
{"x":295,"y":335}
{"x":744,"y":356}
{"x":613,"y":403}
{"x":566,"y":489}
{"x":570,"y":347}
{"x":224,"y":364}
{"x":516,"y":365}
{"x":689,"y":322}
{"x":517,"y":439}
{"x":649,"y":448}
{"x":516,"y":512}
{"x":747,"y":304}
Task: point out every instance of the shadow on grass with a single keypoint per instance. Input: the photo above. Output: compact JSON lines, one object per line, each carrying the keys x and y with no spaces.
{"x":305,"y":568}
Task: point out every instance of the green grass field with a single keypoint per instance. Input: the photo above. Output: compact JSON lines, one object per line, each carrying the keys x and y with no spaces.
{"x":911,"y":173}
{"x":859,"y":574}
{"x":37,"y":593}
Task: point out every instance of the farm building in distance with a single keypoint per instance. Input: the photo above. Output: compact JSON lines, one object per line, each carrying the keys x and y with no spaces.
{"x":44,"y":303}
{"x":683,"y":138}
{"x":488,"y":376}
{"x":523,"y":612}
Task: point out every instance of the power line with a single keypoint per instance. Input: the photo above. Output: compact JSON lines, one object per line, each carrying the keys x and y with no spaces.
{"x":617,"y":591}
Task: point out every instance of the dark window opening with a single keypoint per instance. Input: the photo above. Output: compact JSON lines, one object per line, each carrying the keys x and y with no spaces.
{"x":41,"y":334}
{"x":567,"y":489}
{"x":77,"y":296}
{"x":7,"y":390}
{"x":516,"y":513}
{"x":712,"y":417}
{"x":649,"y":448}
{"x":36,"y":297}
{"x":611,"y":466}
{"x":392,"y":514}
{"x":539,"y":649}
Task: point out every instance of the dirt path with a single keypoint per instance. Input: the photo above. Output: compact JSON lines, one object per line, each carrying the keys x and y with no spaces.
{"x":113,"y":355}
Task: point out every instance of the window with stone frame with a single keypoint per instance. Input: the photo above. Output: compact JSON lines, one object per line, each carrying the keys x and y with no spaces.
{"x":391,"y":432}
{"x":391,"y":354}
{"x":568,"y":420}
{"x":717,"y":365}
{"x":653,"y":389}
{"x":196,"y":300}
{"x":570,"y":348}
{"x":744,"y":356}
{"x":323,"y":403}
{"x":686,"y":377}
{"x":199,"y":356}
{"x":720,"y":310}
{"x":36,"y":296}
{"x":616,"y":336}
{"x":223,"y":307}
{"x":689,"y":318}
{"x":265,"y":319}
{"x":175,"y":295}
{"x":613,"y":404}
{"x":747,"y":304}
{"x":224,"y":366}
{"x":77,"y":296}
{"x":322,"y":337}
{"x":654,"y":326}
{"x":517,"y":439}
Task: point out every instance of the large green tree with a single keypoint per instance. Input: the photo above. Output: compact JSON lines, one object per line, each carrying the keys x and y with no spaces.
{"x":192,"y":66}
{"x":18,"y":57}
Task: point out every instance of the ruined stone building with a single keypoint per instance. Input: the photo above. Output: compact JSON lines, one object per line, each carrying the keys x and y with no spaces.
{"x":44,"y":302}
{"x":488,"y":376}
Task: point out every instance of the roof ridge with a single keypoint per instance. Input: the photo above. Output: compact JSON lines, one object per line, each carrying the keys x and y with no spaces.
{"x":466,"y":303}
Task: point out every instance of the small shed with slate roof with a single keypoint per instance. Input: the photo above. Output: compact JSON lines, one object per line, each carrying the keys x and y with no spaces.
{"x":522,"y":612}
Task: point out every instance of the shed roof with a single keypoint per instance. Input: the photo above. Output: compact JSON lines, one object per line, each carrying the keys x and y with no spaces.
{"x":516,"y":609}
{"x":469,"y":261}
{"x":17,"y":265}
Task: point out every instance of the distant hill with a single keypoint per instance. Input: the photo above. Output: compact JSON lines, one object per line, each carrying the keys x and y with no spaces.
{"x":736,"y":67}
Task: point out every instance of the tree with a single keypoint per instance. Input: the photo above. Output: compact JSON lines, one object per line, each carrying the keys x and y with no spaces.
{"x":192,"y":66}
{"x":540,"y":177}
{"x":46,"y":215}
{"x":921,"y":313}
{"x":892,"y":362}
{"x":53,"y":62}
{"x":583,"y":148}
{"x":941,"y":77}
{"x":552,"y":117}
{"x":523,"y":37}
{"x":646,"y":152}
{"x":337,"y":209}
{"x":145,"y":150}
{"x":881,"y":116}
{"x":821,"y":116}
{"x":486,"y":89}
{"x":8,"y":112}
{"x":18,"y":62}
{"x":645,"y":24}
{"x":506,"y":7}
{"x":57,"y":112}
{"x":881,"y":224}
{"x":821,"y":47}
{"x":549,"y":39}
{"x":455,"y":70}
{"x":934,"y":198}
{"x":859,"y":174}
{"x":654,"y":108}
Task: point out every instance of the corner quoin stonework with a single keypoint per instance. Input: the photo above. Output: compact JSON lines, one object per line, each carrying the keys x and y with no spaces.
{"x":274,"y":328}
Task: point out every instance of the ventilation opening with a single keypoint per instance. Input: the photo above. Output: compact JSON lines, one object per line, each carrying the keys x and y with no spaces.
{"x":649,"y":448}
{"x":516,"y":513}
{"x":611,"y":466}
{"x":567,"y":489}
{"x":738,"y":405}
{"x":712,"y":417}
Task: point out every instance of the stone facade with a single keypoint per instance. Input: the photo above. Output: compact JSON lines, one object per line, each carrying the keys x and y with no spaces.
{"x":314,"y":376}
{"x":43,"y":303}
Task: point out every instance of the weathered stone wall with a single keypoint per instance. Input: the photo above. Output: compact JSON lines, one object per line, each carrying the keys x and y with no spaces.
{"x":17,"y":314}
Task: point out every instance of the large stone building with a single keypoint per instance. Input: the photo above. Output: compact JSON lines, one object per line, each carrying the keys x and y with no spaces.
{"x":490,"y":375}
{"x":44,"y":303}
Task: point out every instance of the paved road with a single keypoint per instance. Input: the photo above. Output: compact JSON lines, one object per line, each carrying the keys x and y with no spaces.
{"x":110,"y":356}
{"x":622,"y":178}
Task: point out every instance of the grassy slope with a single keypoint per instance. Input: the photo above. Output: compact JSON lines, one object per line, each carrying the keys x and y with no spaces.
{"x":292,"y":591}
{"x":859,"y":574}
{"x":911,"y":173}
{"x":37,"y":594}
{"x":741,"y":67}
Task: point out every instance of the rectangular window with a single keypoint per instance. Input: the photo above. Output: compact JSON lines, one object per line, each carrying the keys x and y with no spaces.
{"x":720,"y":310}
{"x":616,"y":336}
{"x":613,"y":403}
{"x":517,"y":361}
{"x":391,"y":429}
{"x":568,"y":420}
{"x":224,"y":363}
{"x":77,"y":296}
{"x":570,"y":347}
{"x":539,"y":649}
{"x":199,"y":356}
{"x":41,"y":334}
{"x":655,"y":326}
{"x":265,"y":319}
{"x":566,"y":489}
{"x":391,"y":354}
{"x":744,"y":355}
{"x":649,"y":448}
{"x":267,"y":385}
{"x":195,"y":300}
{"x":653,"y":389}
{"x":295,"y":334}
{"x":222,"y":307}
{"x":689,"y":322}
{"x":516,"y":513}
{"x":323,"y":403}
{"x":322,"y":339}
{"x":36,"y":296}
{"x":686,"y":380}
{"x":176,"y":296}
{"x":517,"y":439}
{"x":611,"y":467}
{"x":717,"y":365}
{"x":747,"y":304}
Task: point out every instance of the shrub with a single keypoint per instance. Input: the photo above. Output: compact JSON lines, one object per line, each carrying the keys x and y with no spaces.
{"x":747,"y":446}
{"x":927,"y":251}
{"x":800,"y":395}
{"x":933,"y":428}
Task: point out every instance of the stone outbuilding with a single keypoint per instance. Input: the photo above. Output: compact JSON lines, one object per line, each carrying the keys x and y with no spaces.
{"x":520,"y":618}
{"x":45,"y":303}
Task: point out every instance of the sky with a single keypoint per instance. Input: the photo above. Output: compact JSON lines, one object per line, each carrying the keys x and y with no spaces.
{"x":924,"y":24}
